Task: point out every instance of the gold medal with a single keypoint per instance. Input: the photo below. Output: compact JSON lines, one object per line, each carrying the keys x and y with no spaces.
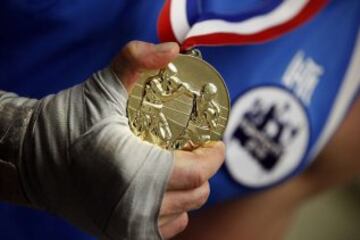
{"x":183,"y":105}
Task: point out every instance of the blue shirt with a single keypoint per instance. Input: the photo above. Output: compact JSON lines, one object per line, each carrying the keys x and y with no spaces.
{"x":46,"y":46}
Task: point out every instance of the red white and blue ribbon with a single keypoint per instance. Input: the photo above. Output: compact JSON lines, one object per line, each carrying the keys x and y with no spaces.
{"x":184,"y":22}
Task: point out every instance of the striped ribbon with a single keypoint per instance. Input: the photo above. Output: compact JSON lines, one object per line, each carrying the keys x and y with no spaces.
{"x":185,"y":22}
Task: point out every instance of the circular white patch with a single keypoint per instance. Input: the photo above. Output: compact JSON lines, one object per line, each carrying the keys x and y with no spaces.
{"x":266,"y":137}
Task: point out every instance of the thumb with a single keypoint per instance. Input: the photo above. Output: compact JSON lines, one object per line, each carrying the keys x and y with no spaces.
{"x":138,"y":56}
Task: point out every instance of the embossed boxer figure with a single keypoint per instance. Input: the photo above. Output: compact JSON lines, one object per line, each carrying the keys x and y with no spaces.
{"x":150,"y":120}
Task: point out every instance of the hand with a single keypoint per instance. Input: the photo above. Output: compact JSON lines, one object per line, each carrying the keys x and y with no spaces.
{"x":188,"y":186}
{"x":76,"y":156}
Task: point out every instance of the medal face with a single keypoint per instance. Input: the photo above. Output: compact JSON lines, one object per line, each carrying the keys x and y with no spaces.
{"x":181,"y":106}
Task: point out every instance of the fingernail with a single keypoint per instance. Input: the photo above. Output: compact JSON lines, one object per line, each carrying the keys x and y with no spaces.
{"x":166,"y":47}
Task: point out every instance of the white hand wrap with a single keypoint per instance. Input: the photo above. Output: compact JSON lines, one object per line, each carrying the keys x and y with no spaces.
{"x":77,"y":157}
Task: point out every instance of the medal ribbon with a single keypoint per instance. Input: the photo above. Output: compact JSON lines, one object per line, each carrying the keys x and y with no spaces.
{"x":184,"y":21}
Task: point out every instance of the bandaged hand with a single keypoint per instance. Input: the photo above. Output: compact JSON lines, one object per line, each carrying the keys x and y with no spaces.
{"x":77,"y":158}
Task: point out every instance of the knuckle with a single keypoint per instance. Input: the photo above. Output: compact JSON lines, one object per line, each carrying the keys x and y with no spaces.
{"x":203,"y":195}
{"x":132,"y":45}
{"x":197,"y":177}
{"x":165,"y":207}
{"x":219,"y":151}
{"x":206,"y":191}
{"x":198,"y":204}
{"x":129,"y":51}
{"x":183,"y":222}
{"x":200,"y":154}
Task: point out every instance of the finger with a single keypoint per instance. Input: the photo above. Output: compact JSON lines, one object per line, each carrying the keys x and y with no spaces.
{"x":178,"y":225}
{"x":192,"y":169}
{"x":168,"y":218}
{"x":175,"y":202}
{"x":138,"y":56}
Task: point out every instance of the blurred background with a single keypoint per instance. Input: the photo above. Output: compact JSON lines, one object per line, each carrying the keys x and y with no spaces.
{"x":334,"y":215}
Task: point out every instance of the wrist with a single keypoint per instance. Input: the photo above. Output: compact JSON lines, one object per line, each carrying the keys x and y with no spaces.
{"x":15,"y":114}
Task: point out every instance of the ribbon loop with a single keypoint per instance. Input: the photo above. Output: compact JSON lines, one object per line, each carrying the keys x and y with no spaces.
{"x":184,"y":22}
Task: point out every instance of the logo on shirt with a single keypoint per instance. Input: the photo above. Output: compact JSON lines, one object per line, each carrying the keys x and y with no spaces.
{"x":302,"y":76}
{"x":267,"y":136}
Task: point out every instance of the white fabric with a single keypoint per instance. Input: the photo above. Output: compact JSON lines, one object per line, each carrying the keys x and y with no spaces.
{"x":77,"y":158}
{"x":178,"y":19}
{"x":281,"y":14}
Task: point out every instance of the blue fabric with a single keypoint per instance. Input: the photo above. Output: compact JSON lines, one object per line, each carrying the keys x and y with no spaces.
{"x":49,"y":45}
{"x":329,"y":39}
{"x":17,"y":223}
{"x":232,"y":11}
{"x":44,"y":43}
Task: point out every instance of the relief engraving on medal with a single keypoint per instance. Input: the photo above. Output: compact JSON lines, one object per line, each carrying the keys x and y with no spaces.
{"x":174,"y":112}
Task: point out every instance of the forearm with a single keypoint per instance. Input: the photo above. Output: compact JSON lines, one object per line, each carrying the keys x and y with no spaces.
{"x":264,"y":215}
{"x":15,"y":113}
{"x":339,"y":163}
{"x":75,"y":156}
